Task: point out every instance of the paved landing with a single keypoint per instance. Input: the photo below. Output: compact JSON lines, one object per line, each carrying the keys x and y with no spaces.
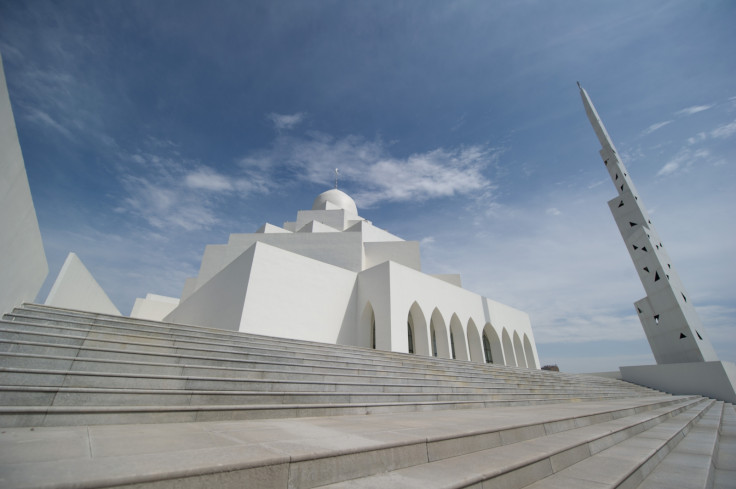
{"x":124,"y":454}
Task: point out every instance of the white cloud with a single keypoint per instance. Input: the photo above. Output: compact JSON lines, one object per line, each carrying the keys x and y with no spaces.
{"x":701,"y":136}
{"x":207,"y":179}
{"x":380,"y":176}
{"x":553,"y":211}
{"x":166,"y":206}
{"x":39,"y":116}
{"x":285,"y":121}
{"x":683,"y":160}
{"x":668,"y":168}
{"x":693,"y":110}
{"x":655,"y":127}
{"x":724,"y":131}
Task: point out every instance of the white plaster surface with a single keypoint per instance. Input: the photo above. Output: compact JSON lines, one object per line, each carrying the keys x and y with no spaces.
{"x":712,"y":379}
{"x":23,"y":266}
{"x":404,"y":252}
{"x":153,"y":307}
{"x":76,"y":288}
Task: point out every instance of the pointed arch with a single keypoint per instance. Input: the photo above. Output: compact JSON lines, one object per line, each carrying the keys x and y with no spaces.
{"x":474,"y":345}
{"x":496,"y":351}
{"x":458,"y":339}
{"x":441,"y":339}
{"x":529,"y":352}
{"x":508,"y":348}
{"x":417,"y":324}
{"x":488,"y":358}
{"x":367,"y":329}
{"x":519,"y":351}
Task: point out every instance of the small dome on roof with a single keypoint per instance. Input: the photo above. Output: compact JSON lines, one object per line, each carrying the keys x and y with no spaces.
{"x":335,"y":197}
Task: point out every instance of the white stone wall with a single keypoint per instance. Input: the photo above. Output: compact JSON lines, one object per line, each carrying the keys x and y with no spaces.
{"x":154,"y":307}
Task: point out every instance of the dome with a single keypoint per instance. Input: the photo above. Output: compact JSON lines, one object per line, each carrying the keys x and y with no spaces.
{"x":335,"y":197}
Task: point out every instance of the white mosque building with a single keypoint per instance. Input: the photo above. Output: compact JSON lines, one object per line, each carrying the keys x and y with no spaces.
{"x":332,"y":276}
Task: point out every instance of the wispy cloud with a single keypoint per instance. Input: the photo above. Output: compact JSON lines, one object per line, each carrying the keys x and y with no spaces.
{"x":693,"y":110}
{"x":701,"y":136}
{"x":683,"y":160}
{"x":668,"y":168}
{"x":208,"y":179}
{"x":436,"y":173}
{"x":655,"y":127}
{"x":43,"y":118}
{"x":724,"y":131}
{"x":285,"y":121}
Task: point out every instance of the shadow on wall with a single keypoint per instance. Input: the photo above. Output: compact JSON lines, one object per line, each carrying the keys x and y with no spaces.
{"x":348,"y":334}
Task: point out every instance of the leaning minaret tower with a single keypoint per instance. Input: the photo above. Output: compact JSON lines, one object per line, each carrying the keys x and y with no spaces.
{"x":670,"y":322}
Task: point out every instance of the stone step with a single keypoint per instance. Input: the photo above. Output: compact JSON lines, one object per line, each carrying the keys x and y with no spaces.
{"x":94,"y":372}
{"x":93,"y":396}
{"x":56,"y":335}
{"x":535,"y":462}
{"x":142,"y":354}
{"x":690,"y":463}
{"x":311,"y":452}
{"x":351,"y":352}
{"x":66,"y":378}
{"x":725,"y":459}
{"x":627,"y":463}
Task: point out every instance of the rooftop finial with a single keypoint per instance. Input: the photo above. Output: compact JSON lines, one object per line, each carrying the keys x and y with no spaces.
{"x":579,"y":86}
{"x":336,"y":174}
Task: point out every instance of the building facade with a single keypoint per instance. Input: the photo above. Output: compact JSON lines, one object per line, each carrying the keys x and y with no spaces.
{"x":332,"y":276}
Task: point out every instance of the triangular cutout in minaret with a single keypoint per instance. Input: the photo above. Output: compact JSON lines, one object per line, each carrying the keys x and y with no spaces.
{"x":635,"y":247}
{"x":632,"y":224}
{"x":621,"y":204}
{"x":656,"y":276}
{"x":639,"y":309}
{"x":656,"y":319}
{"x":683,"y":297}
{"x":644,"y":249}
{"x":646,"y":269}
{"x":682,"y":335}
{"x":616,"y":176}
{"x":696,"y":332}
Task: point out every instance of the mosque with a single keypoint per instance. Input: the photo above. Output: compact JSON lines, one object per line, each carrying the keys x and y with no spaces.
{"x":332,"y":276}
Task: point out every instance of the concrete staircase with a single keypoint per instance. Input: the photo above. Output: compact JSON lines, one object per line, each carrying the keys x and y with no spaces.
{"x":89,"y":400}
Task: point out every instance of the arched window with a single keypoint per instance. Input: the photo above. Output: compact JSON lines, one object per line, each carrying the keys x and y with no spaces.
{"x":411,"y":336}
{"x":373,"y":332}
{"x":487,"y":349}
{"x":452,"y":345}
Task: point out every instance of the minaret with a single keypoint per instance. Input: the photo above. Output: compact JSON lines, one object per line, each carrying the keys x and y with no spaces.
{"x":670,"y":322}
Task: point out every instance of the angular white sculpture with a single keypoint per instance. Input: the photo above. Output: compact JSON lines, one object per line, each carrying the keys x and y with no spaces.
{"x":23,"y":266}
{"x":670,"y":322}
{"x":76,"y":288}
{"x":332,"y":276}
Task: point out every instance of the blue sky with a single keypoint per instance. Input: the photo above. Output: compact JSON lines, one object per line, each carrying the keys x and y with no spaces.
{"x":151,"y":129}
